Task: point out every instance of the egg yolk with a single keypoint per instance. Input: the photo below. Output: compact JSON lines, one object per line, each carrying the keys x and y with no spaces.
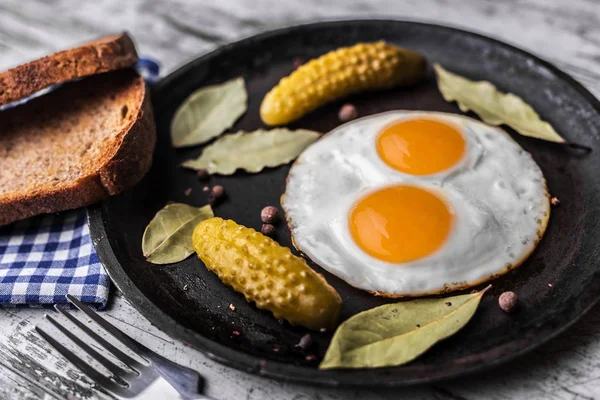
{"x":400,"y":223}
{"x":420,"y":146}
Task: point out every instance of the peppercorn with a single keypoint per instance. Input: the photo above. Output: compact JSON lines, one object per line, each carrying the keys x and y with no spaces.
{"x":268,"y":229}
{"x":347,"y":113}
{"x":202,"y":174}
{"x":216,"y":194}
{"x":269,"y":215}
{"x":218,"y":191}
{"x":507,"y":301}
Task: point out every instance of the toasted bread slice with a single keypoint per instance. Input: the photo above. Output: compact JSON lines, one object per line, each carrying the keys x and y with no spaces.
{"x":75,"y":146}
{"x":106,"y":54}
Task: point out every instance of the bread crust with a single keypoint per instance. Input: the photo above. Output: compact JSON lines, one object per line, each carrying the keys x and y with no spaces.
{"x":106,"y":54}
{"x":126,"y":161}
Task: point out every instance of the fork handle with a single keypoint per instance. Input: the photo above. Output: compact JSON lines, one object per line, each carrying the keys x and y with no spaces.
{"x":185,"y":380}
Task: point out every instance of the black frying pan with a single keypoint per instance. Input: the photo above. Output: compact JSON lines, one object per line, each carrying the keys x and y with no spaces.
{"x":556,"y":285}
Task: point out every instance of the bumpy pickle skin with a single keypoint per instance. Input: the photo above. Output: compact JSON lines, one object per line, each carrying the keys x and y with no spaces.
{"x":267,"y":274}
{"x":337,"y":74}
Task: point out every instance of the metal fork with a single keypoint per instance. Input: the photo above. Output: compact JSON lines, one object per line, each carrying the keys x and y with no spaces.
{"x":123,"y":383}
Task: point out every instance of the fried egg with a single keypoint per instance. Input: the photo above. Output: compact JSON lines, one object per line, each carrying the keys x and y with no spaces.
{"x":409,"y":203}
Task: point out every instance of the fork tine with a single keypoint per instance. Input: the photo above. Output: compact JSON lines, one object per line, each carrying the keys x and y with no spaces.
{"x":116,"y":333}
{"x":97,"y":377}
{"x":124,"y":358}
{"x":116,"y":370}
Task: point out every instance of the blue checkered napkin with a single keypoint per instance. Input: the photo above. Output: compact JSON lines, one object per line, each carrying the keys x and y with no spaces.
{"x":44,"y":258}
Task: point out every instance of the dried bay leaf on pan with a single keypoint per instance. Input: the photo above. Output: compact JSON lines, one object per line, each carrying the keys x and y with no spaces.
{"x":208,"y":112}
{"x":493,"y":106}
{"x":253,"y":151}
{"x":168,"y":237}
{"x":394,"y":334}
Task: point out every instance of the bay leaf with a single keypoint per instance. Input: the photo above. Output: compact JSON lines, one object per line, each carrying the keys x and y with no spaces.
{"x":208,"y":112}
{"x":394,"y":334}
{"x":252,"y":151}
{"x":168,"y":237}
{"x":493,"y":106}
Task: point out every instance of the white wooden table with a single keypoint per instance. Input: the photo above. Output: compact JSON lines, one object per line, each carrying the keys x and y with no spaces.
{"x":566,"y":33}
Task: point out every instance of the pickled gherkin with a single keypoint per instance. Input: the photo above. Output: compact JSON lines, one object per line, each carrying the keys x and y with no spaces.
{"x":267,"y":274}
{"x":339,"y":73}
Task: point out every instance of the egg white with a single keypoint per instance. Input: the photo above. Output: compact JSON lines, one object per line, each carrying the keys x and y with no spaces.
{"x":497,"y":192}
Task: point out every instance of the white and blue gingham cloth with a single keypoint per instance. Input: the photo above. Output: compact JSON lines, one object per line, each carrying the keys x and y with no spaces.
{"x":45,"y":257}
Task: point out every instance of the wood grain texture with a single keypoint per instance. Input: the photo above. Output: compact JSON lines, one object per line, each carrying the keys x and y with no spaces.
{"x":566,"y":33}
